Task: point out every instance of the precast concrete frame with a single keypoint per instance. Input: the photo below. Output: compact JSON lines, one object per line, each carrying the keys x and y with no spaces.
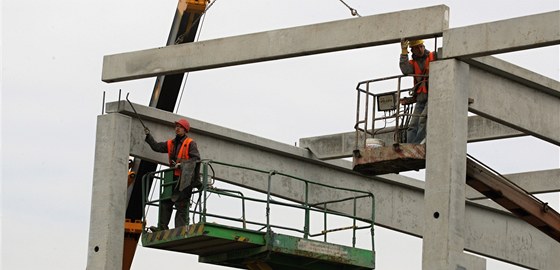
{"x":438,"y":212}
{"x":399,"y":200}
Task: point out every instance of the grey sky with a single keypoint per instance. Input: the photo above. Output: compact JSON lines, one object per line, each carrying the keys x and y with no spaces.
{"x":52,"y":53}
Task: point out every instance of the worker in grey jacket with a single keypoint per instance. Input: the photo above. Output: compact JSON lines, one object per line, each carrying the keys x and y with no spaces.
{"x":183,"y":154}
{"x":419,"y":66}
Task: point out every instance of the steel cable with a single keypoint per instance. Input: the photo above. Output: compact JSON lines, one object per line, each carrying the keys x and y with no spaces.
{"x":203,"y":16}
{"x":353,"y":11}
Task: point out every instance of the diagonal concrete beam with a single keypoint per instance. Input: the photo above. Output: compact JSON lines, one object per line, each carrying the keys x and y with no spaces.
{"x":515,"y":105}
{"x":399,"y":204}
{"x":279,"y":44}
{"x":502,"y":36}
{"x":534,"y":182}
{"x":341,"y":145}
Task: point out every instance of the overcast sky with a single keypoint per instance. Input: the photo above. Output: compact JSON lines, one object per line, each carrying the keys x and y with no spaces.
{"x":52,"y":54}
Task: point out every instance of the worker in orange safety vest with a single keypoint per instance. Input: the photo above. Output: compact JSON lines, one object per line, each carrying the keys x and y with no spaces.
{"x":179,"y":149}
{"x":419,"y":66}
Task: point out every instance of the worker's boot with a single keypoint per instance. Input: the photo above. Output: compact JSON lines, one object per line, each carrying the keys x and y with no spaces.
{"x":165,"y":211}
{"x":156,"y":229}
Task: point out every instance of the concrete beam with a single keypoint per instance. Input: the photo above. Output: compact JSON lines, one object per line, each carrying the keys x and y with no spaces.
{"x":446,"y":149}
{"x":108,"y":202}
{"x":279,"y":44}
{"x":516,"y":73}
{"x":479,"y":128}
{"x":515,"y":105}
{"x":399,"y":201}
{"x":534,"y":182}
{"x":335,"y":146}
{"x":502,"y":36}
{"x":506,"y":238}
{"x":341,"y":145}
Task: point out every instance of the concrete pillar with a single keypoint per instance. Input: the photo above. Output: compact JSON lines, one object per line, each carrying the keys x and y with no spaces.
{"x":108,"y":203}
{"x":446,"y":147}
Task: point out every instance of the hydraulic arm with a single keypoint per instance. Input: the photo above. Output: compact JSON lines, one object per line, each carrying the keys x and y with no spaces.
{"x":166,"y":91}
{"x":514,"y":199}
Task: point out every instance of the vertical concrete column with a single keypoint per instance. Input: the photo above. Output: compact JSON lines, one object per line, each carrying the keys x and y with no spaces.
{"x":446,"y":147}
{"x":108,"y":203}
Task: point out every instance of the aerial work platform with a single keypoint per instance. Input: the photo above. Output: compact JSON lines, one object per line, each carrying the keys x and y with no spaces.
{"x":240,"y":248}
{"x":372,"y":155}
{"x":249,"y":243}
{"x":390,"y":159}
{"x":203,"y":239}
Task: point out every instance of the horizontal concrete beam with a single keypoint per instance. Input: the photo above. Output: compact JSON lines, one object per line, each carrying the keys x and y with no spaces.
{"x":399,"y":201}
{"x":279,"y":44}
{"x":515,"y":105}
{"x":480,"y":129}
{"x":341,"y":145}
{"x":502,"y":36}
{"x":533,"y":182}
{"x":516,"y":73}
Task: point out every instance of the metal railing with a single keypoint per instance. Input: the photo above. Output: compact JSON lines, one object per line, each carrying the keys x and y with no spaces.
{"x":323,"y":208}
{"x":366,"y":115}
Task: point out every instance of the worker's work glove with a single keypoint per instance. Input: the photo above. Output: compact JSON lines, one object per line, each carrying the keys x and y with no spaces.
{"x":175,"y":165}
{"x":146,"y":131}
{"x":404,"y":46}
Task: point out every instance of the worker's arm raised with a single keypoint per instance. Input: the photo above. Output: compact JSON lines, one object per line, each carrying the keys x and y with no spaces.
{"x":156,"y":146}
{"x":404,"y":64}
{"x":404,"y":46}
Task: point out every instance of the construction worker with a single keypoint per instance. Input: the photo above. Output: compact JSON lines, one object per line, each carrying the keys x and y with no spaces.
{"x":418,"y":65}
{"x":131,"y":173}
{"x":183,"y":154}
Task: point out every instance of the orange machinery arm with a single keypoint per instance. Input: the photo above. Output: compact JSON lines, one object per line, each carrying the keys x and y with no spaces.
{"x":183,"y":30}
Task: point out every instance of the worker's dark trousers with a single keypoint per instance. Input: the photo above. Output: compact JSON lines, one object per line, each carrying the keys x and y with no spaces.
{"x":182,"y":205}
{"x":417,"y":127}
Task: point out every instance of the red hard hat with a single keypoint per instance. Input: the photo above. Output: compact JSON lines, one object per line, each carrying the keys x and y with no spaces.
{"x":184,"y":123}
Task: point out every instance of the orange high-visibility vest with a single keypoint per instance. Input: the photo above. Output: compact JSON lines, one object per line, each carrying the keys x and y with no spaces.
{"x":182,"y":155}
{"x":417,"y":71}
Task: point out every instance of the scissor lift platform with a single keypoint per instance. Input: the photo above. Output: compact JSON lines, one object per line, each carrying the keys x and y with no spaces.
{"x":242,"y":248}
{"x":390,"y":159}
{"x":203,"y":239}
{"x":252,"y":243}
